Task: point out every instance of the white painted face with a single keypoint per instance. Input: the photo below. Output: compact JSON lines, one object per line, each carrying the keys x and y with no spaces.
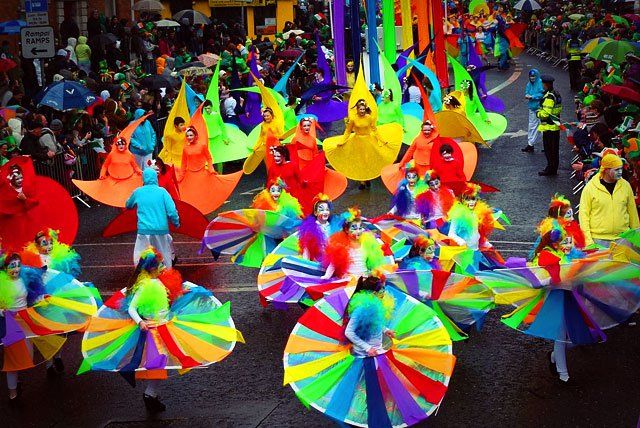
{"x":569,"y":214}
{"x":45,"y":245}
{"x":412,"y":178}
{"x":447,"y":156}
{"x":190,"y":136}
{"x":16,"y":179}
{"x":277,"y":157}
{"x":323,"y":212}
{"x":428,"y":253}
{"x":355,"y":230}
{"x":121,"y":145}
{"x":427,"y":129}
{"x":471,"y":203}
{"x":566,"y":245}
{"x":306,"y":126}
{"x":13,"y":269}
{"x":615,"y":173}
{"x":275,"y":191}
{"x":434,"y":185}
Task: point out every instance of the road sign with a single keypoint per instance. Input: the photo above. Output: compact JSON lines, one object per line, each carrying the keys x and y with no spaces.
{"x":37,"y":42}
{"x":36,"y":6}
{"x":37,"y":19}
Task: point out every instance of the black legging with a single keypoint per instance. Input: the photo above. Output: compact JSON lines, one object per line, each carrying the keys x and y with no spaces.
{"x":551,"y":144}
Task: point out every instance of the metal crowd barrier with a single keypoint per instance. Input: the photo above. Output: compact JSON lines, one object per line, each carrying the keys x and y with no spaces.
{"x":547,"y":47}
{"x":85,"y":166}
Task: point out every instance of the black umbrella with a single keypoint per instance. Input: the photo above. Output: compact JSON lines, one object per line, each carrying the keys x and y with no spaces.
{"x":106,"y":39}
{"x":159,"y":81}
{"x":193,"y":16}
{"x":191,"y":64}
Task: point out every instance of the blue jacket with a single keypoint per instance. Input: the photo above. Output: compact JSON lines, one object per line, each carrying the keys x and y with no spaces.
{"x":154,"y":206}
{"x":536,"y":91}
{"x":143,"y":140}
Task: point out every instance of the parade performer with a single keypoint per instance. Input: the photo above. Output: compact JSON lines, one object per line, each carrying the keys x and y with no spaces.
{"x":388,"y":110}
{"x":564,"y":299}
{"x":305,"y":142}
{"x":420,"y":149}
{"x":340,"y":361}
{"x":447,"y":160}
{"x":281,"y":166}
{"x":269,"y":125}
{"x":47,"y":251}
{"x":173,"y":143}
{"x":158,"y":324}
{"x":373,"y":147}
{"x":198,"y":182}
{"x":560,"y":209}
{"x":143,"y":140}
{"x":30,"y":203}
{"x":403,"y":202}
{"x":249,"y":235}
{"x":352,"y":251}
{"x":120,"y":174}
{"x":154,"y":206}
{"x":36,"y":309}
{"x":434,"y":204}
{"x":316,"y":229}
{"x":423,"y":255}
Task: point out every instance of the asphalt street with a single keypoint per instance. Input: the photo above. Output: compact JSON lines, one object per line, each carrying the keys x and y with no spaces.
{"x":501,"y":376}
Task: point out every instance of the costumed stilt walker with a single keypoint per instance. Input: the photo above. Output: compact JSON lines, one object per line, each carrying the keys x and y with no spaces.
{"x":198,"y":182}
{"x":310,"y":241}
{"x":373,"y":147}
{"x":373,"y":357}
{"x":120,"y":174}
{"x":563,"y":296}
{"x":30,"y":203}
{"x":158,"y":324}
{"x":249,"y":235}
{"x":36,"y":308}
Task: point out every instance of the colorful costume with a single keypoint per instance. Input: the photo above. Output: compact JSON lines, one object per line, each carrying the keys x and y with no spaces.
{"x":47,"y":251}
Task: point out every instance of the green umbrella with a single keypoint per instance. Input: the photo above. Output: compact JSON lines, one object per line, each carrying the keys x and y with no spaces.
{"x":614,"y":50}
{"x":576,"y":16}
{"x":620,"y":20}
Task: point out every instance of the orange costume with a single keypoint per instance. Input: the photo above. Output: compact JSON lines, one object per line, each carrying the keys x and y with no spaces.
{"x":198,"y":183}
{"x":420,"y":152}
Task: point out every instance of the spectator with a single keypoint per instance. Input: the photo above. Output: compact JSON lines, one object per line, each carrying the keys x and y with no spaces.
{"x":83,"y":54}
{"x":30,"y":144}
{"x":534,"y":93}
{"x":607,"y":204}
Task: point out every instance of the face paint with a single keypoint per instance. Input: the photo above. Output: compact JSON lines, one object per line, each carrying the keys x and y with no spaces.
{"x":13,"y":269}
{"x":322,"y":212}
{"x":277,"y":157}
{"x":566,"y":245}
{"x":121,"y":145}
{"x":355,"y":230}
{"x":412,"y":178}
{"x":428,"y":253}
{"x":569,"y":214}
{"x":471,"y":203}
{"x":447,"y":156}
{"x":45,"y":245}
{"x":16,"y":179}
{"x":616,"y":173}
{"x":275,"y":192}
{"x":434,"y":184}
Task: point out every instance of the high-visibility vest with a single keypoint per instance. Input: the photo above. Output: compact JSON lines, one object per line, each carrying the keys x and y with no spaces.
{"x":549,"y":113}
{"x":573,"y":50}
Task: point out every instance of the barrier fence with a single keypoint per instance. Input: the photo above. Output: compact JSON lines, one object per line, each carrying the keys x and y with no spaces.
{"x":548,"y":47}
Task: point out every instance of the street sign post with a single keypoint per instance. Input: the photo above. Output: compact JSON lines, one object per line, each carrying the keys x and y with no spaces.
{"x":36,"y":6}
{"x":37,"y":42}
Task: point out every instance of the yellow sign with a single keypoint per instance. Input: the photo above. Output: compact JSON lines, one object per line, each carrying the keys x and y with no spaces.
{"x":240,"y":3}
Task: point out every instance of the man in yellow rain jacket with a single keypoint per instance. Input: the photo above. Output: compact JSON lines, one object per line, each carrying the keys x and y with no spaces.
{"x":607,"y":205}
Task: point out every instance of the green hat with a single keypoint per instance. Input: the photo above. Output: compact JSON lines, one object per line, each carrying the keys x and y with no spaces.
{"x":118,"y":77}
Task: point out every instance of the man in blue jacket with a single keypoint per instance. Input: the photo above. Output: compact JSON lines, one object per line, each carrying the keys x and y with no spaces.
{"x":155,"y":209}
{"x":143,"y":140}
{"x":533,"y":93}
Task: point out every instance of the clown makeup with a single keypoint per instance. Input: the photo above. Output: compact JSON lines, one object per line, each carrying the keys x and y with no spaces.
{"x":434,"y":184}
{"x":355,"y":230}
{"x":275,"y":192}
{"x":16,"y":178}
{"x":121,"y":145}
{"x":566,"y":245}
{"x":13,"y":268}
{"x":322,"y":212}
{"x":471,"y":202}
{"x":45,"y":245}
{"x":447,"y":155}
{"x":306,"y":126}
{"x":277,"y":157}
{"x":190,"y":136}
{"x":615,"y":173}
{"x":568,"y":215}
{"x":350,"y":68}
{"x":412,"y":178}
{"x":428,"y":253}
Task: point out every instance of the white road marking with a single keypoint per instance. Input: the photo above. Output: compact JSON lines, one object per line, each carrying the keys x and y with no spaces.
{"x":515,"y":76}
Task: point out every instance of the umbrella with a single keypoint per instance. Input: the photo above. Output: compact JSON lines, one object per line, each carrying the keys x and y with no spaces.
{"x":107,"y":39}
{"x":193,"y":16}
{"x":633,"y":17}
{"x":12,"y":27}
{"x":620,"y":20}
{"x":159,"y":81}
{"x":590,"y":45}
{"x":290,"y":32}
{"x":289,"y":54}
{"x":623,"y":92}
{"x":527,"y":5}
{"x":247,"y":235}
{"x":164,"y":23}
{"x":198,"y":332}
{"x":191,"y":64}
{"x":567,"y":302}
{"x":195,"y":71}
{"x":6,"y":64}
{"x":66,"y":95}
{"x":399,"y":387}
{"x":614,"y":50}
{"x":478,"y":6}
{"x":576,"y":16}
{"x":148,"y":6}
{"x":208,"y":59}
{"x":459,"y":300}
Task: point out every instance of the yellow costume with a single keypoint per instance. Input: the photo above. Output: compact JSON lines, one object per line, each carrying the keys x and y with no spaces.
{"x":172,"y":148}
